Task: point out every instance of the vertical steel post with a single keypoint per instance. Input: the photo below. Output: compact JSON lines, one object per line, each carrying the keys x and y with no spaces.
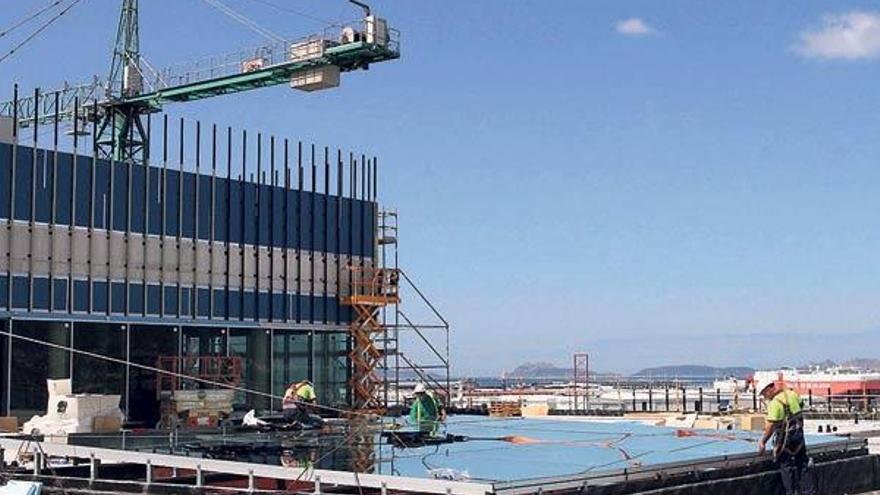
{"x":179,"y":238}
{"x":272,"y":185}
{"x":73,"y":192}
{"x":257,"y":240}
{"x":243,"y":222}
{"x":92,"y":199}
{"x":146,"y":233}
{"x":54,"y":205}
{"x":163,"y":204}
{"x":212,"y":220}
{"x":313,"y":233}
{"x":326,"y":253}
{"x":11,"y":220}
{"x":196,"y":233}
{"x":299,"y":233}
{"x":228,"y":247}
{"x":339,"y":205}
{"x":108,"y":219}
{"x":666,"y":391}
{"x":33,"y":207}
{"x":127,"y":241}
{"x":286,"y":229}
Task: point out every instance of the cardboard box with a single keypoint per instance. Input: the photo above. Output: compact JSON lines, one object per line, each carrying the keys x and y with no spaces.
{"x":751,"y":422}
{"x":8,"y":424}
{"x":107,"y":424}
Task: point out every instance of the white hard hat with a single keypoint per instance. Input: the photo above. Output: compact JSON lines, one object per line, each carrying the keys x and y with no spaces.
{"x":420,"y":388}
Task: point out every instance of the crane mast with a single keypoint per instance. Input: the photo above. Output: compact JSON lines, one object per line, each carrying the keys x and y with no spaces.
{"x":116,"y":106}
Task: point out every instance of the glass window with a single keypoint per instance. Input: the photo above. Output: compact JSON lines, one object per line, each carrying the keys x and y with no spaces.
{"x":93,"y":375}
{"x":33,"y":364}
{"x":252,"y":345}
{"x":291,"y":360}
{"x":331,"y":368}
{"x":234,"y":303}
{"x":204,"y":341}
{"x":264,"y":302}
{"x":148,"y":344}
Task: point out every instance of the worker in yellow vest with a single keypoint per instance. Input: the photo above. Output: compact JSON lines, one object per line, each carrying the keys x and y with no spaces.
{"x":785,"y":424}
{"x":298,"y":401}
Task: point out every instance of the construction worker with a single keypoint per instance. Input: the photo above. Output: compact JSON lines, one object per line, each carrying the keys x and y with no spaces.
{"x":426,"y":412}
{"x":785,"y":424}
{"x":297,"y":402}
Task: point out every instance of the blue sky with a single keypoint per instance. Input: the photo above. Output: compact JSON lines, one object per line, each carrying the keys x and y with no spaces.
{"x":654,"y":182}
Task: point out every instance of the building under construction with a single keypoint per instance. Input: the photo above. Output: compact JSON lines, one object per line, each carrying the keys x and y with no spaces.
{"x":185,"y":274}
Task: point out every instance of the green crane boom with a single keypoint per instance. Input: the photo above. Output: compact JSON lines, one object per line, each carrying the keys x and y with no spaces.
{"x":134,"y":89}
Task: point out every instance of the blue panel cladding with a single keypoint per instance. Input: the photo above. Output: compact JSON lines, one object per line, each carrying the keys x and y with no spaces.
{"x":99,"y":297}
{"x":263,"y":303}
{"x":357,"y":221}
{"x":345,"y":232}
{"x":291,"y":218}
{"x":277,"y":306}
{"x":23,"y":168}
{"x":249,"y":306}
{"x":154,"y":300}
{"x":304,"y":307}
{"x":319,"y":305}
{"x":220,"y":309}
{"x":332,"y":221}
{"x":320,"y":216}
{"x":250,"y":212}
{"x":278,"y":217}
{"x":203,"y":299}
{"x":234,"y":304}
{"x":63,"y":188}
{"x":187,"y":202}
{"x":20,"y":292}
{"x":4,"y":291}
{"x":117,"y":296}
{"x":5,"y":183}
{"x":305,"y":223}
{"x":43,"y":188}
{"x":83,"y":176}
{"x":41,"y":293}
{"x":235,"y":211}
{"x":172,"y":201}
{"x":205,"y":207}
{"x":80,"y":295}
{"x":136,"y":298}
{"x":264,"y":214}
{"x":138,"y":198}
{"x":154,"y":191}
{"x":170,"y":298}
{"x":59,"y":295}
{"x":186,"y":301}
{"x":119,"y":196}
{"x":101,"y":215}
{"x":221,"y":213}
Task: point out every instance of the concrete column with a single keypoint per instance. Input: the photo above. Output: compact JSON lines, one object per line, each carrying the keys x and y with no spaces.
{"x":59,"y":360}
{"x":258,"y":365}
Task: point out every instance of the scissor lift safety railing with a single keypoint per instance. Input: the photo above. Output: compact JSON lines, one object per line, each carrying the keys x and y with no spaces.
{"x":371,"y":290}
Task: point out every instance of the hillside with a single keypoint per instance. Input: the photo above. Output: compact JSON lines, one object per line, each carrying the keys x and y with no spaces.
{"x":695,"y":371}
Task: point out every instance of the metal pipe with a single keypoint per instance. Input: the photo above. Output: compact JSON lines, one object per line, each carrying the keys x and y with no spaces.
{"x":362,"y":5}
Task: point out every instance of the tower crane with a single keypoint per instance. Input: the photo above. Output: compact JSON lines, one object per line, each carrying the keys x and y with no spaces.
{"x":133,"y":89}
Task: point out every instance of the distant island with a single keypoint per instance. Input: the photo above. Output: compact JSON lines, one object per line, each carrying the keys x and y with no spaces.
{"x":695,"y":371}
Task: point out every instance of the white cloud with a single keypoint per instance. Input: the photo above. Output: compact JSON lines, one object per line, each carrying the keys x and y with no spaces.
{"x":634,"y":27}
{"x":850,"y":36}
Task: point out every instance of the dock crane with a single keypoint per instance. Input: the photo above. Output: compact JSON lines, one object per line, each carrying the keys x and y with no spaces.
{"x":116,"y":106}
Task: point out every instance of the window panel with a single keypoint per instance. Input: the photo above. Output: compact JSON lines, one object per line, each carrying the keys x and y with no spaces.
{"x":5,"y":184}
{"x":41,"y":293}
{"x":59,"y":295}
{"x":63,"y":188}
{"x":138,"y":198}
{"x":23,"y":168}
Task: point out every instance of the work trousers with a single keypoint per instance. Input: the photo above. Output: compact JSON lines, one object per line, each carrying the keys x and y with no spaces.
{"x":795,"y":471}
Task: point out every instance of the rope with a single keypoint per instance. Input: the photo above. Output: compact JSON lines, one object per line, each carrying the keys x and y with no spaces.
{"x":292,"y":11}
{"x":39,"y":30}
{"x":179,"y":375}
{"x":244,"y":20}
{"x":29,"y":18}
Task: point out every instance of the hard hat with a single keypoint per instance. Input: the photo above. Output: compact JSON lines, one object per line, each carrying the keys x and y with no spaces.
{"x":420,"y":388}
{"x":765,"y":387}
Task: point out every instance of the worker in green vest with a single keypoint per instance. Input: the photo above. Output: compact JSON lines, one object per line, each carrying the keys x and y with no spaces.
{"x":785,"y":424}
{"x":426,"y":412}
